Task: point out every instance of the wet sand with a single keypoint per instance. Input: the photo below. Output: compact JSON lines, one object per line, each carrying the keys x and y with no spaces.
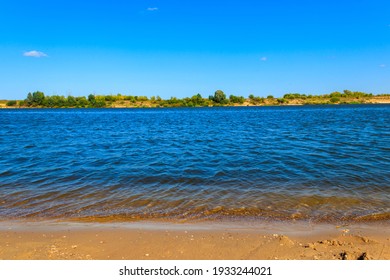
{"x":151,"y":241}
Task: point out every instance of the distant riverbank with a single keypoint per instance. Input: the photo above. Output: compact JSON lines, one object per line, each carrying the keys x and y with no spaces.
{"x":40,"y":100}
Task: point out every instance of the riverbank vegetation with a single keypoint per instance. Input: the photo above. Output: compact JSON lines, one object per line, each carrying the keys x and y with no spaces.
{"x":38,"y":99}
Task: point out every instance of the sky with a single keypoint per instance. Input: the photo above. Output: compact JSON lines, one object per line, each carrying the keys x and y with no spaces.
{"x":181,"y":48}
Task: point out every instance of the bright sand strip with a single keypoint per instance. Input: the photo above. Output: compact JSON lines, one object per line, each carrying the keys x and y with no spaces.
{"x":150,"y":241}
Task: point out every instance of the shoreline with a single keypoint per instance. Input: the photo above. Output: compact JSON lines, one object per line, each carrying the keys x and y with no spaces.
{"x":386,"y":102}
{"x":39,"y":99}
{"x":201,"y":241}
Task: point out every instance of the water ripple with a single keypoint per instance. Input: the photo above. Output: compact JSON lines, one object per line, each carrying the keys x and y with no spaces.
{"x":315,"y":163}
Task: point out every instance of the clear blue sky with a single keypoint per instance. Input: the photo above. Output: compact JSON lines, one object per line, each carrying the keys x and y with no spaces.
{"x":180,"y":48}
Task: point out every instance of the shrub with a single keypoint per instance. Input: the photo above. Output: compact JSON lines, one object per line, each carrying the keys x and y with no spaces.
{"x":236,"y":99}
{"x":110,"y":98}
{"x":142,"y":98}
{"x":334,"y":99}
{"x":197,"y":100}
{"x":11,"y":103}
{"x":335,"y":94}
{"x":82,"y":101}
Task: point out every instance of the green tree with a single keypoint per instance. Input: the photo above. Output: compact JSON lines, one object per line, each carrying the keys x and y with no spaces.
{"x":49,"y":102}
{"x":219,"y":97}
{"x":29,"y":100}
{"x":71,"y":101}
{"x":37,"y":98}
{"x":197,"y":100}
{"x":347,"y":92}
{"x":82,"y":101}
{"x":92,"y":100}
{"x":174,"y":101}
{"x":56,"y":101}
{"x":335,"y":94}
{"x":100,"y":102}
{"x":34,"y":99}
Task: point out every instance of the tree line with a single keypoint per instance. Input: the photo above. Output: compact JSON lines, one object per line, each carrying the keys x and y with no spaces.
{"x":219,"y":98}
{"x":39,"y":99}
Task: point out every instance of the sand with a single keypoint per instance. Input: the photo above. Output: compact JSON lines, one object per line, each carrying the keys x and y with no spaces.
{"x":214,"y":241}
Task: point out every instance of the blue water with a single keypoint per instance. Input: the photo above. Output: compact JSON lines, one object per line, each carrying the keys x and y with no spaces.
{"x":318,"y":163}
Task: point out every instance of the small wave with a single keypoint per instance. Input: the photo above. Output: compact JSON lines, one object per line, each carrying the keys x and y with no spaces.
{"x":309,"y":163}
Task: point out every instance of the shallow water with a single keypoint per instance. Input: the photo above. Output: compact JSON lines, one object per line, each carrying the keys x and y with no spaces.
{"x":318,"y":163}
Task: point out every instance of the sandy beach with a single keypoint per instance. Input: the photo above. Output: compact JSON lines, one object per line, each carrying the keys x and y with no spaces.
{"x":150,"y":241}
